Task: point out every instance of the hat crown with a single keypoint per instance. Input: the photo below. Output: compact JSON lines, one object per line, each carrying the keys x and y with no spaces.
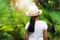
{"x":32,"y":7}
{"x":33,"y":10}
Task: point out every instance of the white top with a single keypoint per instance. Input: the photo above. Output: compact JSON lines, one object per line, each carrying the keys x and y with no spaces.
{"x":40,"y":26}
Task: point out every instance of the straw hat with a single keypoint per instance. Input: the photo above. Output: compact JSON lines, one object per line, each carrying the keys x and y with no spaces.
{"x":33,"y":10}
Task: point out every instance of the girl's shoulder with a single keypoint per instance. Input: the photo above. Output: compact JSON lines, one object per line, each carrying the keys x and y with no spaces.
{"x":41,"y":21}
{"x":26,"y":26}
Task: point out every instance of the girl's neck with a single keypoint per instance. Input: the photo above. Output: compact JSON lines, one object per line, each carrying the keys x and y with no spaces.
{"x":37,"y":19}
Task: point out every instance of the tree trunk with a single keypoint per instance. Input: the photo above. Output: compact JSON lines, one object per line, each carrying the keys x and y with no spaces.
{"x":59,"y":3}
{"x":37,"y":2}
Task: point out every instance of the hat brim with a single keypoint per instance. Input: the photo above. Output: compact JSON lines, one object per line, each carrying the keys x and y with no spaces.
{"x":35,"y":14}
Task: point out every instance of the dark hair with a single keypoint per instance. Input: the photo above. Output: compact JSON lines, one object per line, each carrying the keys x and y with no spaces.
{"x":32,"y":24}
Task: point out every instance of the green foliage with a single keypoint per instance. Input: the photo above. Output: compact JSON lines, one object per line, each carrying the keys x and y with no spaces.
{"x":12,"y":22}
{"x":55,"y":17}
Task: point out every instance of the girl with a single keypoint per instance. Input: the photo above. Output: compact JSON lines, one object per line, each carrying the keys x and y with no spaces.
{"x":35,"y":29}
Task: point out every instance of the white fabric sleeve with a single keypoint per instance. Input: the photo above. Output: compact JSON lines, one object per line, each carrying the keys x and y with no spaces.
{"x":45,"y":26}
{"x":27,"y":24}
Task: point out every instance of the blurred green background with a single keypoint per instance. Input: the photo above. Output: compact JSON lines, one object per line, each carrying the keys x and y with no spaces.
{"x":12,"y":21}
